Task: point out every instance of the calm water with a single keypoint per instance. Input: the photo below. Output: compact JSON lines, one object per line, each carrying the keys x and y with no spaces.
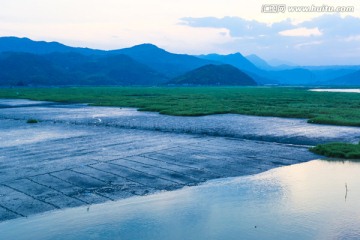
{"x":304,"y":201}
{"x":336,"y":90}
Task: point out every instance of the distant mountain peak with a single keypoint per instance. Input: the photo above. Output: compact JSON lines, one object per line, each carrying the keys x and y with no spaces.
{"x":170,"y":64}
{"x":259,"y":62}
{"x":235,"y":59}
{"x":16,"y":44}
{"x":236,"y":54}
{"x":15,"y":38}
{"x":254,"y":56}
{"x":279,"y":62}
{"x":148,"y":47}
{"x":351,"y":79}
{"x":25,"y":40}
{"x":211,"y":74}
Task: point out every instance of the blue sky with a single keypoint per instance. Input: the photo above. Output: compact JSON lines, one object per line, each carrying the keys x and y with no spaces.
{"x":326,"y":39}
{"x":194,"y":27}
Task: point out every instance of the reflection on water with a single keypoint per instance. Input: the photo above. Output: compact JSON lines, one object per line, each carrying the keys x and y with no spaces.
{"x":305,"y":201}
{"x":273,"y":129}
{"x":19,"y":102}
{"x":337,"y":90}
{"x":14,"y":133}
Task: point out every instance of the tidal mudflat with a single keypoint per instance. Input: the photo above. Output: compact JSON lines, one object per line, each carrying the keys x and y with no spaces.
{"x":314,"y":200}
{"x":79,"y":155}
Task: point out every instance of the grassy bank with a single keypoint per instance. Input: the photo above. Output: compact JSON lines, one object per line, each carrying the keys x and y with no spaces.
{"x":338,"y":150}
{"x":318,"y":107}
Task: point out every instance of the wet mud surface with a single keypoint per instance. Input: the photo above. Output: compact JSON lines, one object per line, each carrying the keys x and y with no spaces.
{"x":80,"y":155}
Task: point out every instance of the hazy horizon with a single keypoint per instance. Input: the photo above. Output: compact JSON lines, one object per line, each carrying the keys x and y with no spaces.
{"x":201,"y":27}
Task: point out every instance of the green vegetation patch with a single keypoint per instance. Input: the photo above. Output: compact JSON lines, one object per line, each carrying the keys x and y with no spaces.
{"x":318,"y":107}
{"x":32,"y":121}
{"x":338,"y":150}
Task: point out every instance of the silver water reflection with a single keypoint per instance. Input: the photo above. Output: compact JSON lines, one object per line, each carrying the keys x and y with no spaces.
{"x":271,"y":129}
{"x":354,"y":90}
{"x":304,"y":201}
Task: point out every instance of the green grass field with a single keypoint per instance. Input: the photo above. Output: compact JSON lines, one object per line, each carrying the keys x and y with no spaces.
{"x":338,"y":150}
{"x":318,"y":107}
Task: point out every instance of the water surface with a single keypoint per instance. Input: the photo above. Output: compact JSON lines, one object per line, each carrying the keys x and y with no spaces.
{"x":271,"y":129}
{"x":313,"y":200}
{"x":337,"y":90}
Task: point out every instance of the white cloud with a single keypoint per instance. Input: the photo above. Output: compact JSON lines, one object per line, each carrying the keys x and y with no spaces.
{"x":314,"y":37}
{"x":301,"y":32}
{"x":306,"y":44}
{"x":352,"y":38}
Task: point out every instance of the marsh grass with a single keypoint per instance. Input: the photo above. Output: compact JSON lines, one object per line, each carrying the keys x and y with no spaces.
{"x":318,"y":107}
{"x":32,"y":121}
{"x":338,"y":150}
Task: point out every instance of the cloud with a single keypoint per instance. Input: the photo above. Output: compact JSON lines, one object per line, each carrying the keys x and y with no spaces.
{"x":301,"y":32}
{"x":306,"y":44}
{"x":352,"y":38}
{"x":327,"y":24}
{"x":238,"y":27}
{"x":326,"y":39}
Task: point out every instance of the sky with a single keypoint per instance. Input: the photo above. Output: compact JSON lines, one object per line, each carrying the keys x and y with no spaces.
{"x":193,"y":27}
